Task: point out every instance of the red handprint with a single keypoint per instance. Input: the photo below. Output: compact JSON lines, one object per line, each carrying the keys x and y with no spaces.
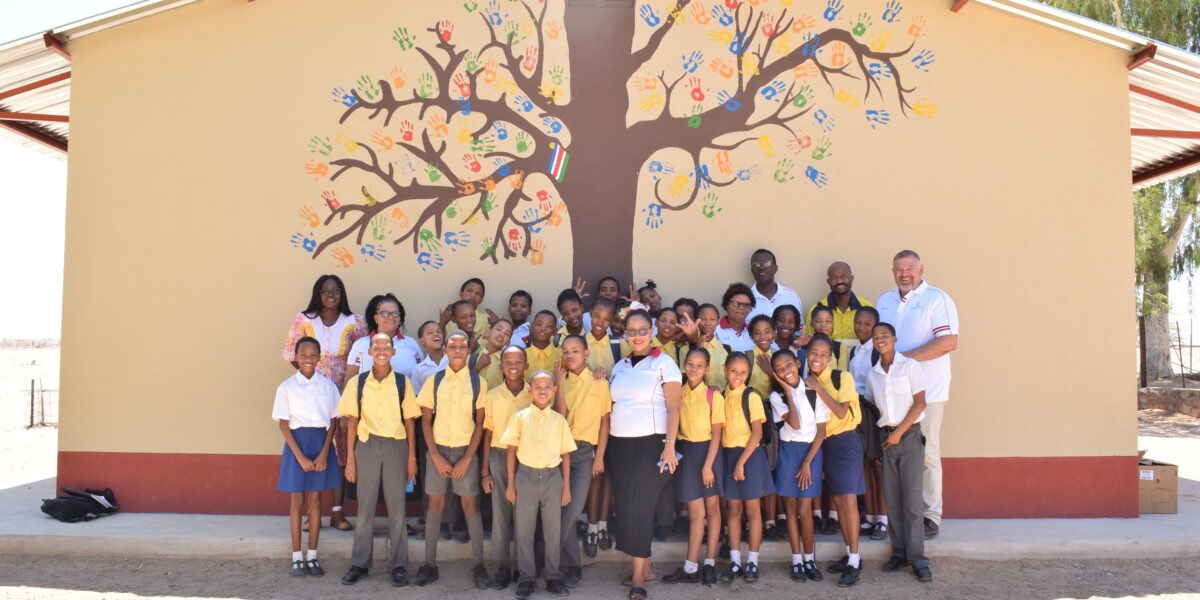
{"x":330,"y":199}
{"x":544,"y":199}
{"x":768,"y":24}
{"x":697,"y":93}
{"x":531,"y":57}
{"x":464,"y":85}
{"x":471,"y":162}
{"x":797,"y":145}
{"x":731,"y":4}
{"x":445,"y":30}
{"x":406,"y":130}
{"x":514,"y":239}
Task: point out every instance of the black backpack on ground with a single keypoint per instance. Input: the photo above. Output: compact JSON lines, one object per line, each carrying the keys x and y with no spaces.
{"x":78,"y":506}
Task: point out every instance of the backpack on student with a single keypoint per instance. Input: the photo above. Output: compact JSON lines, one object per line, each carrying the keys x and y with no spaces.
{"x":836,"y":377}
{"x":768,"y":433}
{"x":78,"y":506}
{"x":352,"y":487}
{"x":437,"y":382}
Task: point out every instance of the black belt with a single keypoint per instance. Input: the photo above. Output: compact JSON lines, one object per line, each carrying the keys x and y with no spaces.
{"x":889,"y":428}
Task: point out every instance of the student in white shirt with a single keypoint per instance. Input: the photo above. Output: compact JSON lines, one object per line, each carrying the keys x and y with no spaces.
{"x":385,"y":314}
{"x":432,"y":341}
{"x":769,"y":294}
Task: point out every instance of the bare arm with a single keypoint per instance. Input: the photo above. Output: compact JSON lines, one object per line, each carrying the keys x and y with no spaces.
{"x":673,"y":394}
{"x":837,"y":408}
{"x":910,"y":417}
{"x":286,"y":429}
{"x":351,"y":424}
{"x":601,"y":445}
{"x":938,"y":346}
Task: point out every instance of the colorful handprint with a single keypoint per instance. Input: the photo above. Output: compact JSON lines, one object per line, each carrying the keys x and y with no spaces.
{"x":306,"y":242}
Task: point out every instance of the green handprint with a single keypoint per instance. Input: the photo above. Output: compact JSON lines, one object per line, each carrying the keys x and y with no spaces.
{"x":821,"y":150}
{"x":403,"y":38}
{"x":522,"y":142}
{"x":803,"y":96}
{"x":425,"y":85}
{"x":433,"y":172}
{"x":488,"y":248}
{"x":710,"y":209}
{"x":514,"y":33}
{"x":488,"y":203}
{"x":320,"y":145}
{"x":558,"y":75}
{"x":429,"y":242}
{"x":368,"y":87}
{"x":783,"y":171}
{"x":470,"y":5}
{"x":471,"y":62}
{"x":483,"y":144}
{"x":451,"y":212}
{"x":864,"y":21}
{"x":379,"y":227}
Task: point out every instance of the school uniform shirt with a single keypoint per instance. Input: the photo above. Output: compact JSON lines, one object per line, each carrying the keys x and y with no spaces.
{"x":639,"y":404}
{"x":844,"y":349}
{"x":808,"y":415}
{"x":491,"y":373}
{"x":741,"y":342}
{"x":737,"y":429}
{"x":859,"y":365}
{"x":539,"y":358}
{"x":520,"y":335}
{"x":455,"y":406}
{"x":481,"y":325}
{"x":383,"y":412}
{"x":600,"y":352}
{"x":499,"y":405}
{"x":696,"y":416}
{"x":671,"y":349}
{"x":925,"y":313}
{"x":843,"y":321}
{"x":759,"y":380}
{"x":766,"y":306}
{"x":426,"y":369}
{"x":846,"y":395}
{"x":716,"y":363}
{"x":306,"y":402}
{"x":540,"y":435}
{"x":408,"y":354}
{"x":894,"y":389}
{"x":588,"y":401}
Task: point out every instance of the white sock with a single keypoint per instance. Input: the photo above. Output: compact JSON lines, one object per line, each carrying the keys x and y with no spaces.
{"x":883,"y":520}
{"x":753,"y":557}
{"x":797,"y":559}
{"x":872,"y":518}
{"x":297,"y":555}
{"x":690,"y":567}
{"x":593,"y":528}
{"x":780,"y":517}
{"x":712,"y":562}
{"x":735,"y":556}
{"x":816,"y":514}
{"x":847,"y":549}
{"x":770,"y":522}
{"x":854,"y":560}
{"x":602,"y":525}
{"x":810,"y":557}
{"x":312,"y":554}
{"x":833,"y":514}
{"x":867,"y":525}
{"x":337,"y":509}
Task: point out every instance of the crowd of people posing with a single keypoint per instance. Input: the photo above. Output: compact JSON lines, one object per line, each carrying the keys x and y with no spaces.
{"x":757,"y":418}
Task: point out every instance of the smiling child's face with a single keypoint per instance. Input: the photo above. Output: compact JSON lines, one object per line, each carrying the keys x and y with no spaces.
{"x":518,"y":309}
{"x":823,"y":322}
{"x":763,"y":334}
{"x":307,"y":356}
{"x":572,"y":313}
{"x":864,"y":324}
{"x":695,"y":366}
{"x":786,"y":367}
{"x":513,"y":363}
{"x":601,"y":319}
{"x":542,"y":389}
{"x":431,"y":337}
{"x":574,"y":354}
{"x":500,"y":334}
{"x":737,"y":371}
{"x":542,"y":328}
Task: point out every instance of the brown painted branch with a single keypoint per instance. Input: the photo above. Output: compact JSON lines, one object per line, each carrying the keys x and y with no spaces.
{"x":373,"y":168}
{"x":644,"y":53}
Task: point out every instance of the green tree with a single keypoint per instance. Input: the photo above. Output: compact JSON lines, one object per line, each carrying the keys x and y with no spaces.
{"x":1167,"y":230}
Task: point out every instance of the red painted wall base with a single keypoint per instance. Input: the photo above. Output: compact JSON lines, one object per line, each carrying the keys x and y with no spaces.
{"x":974,"y":488}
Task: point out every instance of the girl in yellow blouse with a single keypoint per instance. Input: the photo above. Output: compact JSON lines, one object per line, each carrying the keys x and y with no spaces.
{"x":488,"y":362}
{"x":748,"y":478}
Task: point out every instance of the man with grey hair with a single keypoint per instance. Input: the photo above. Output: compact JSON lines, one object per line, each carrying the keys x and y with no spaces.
{"x":926,"y":323}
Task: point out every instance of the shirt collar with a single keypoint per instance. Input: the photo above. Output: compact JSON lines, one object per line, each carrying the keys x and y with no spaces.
{"x":541,"y":411}
{"x":831,"y":301}
{"x":428,"y":360}
{"x":583,"y":375}
{"x":878,"y":366}
{"x":826,"y":375}
{"x":463,"y":372}
{"x":917,"y":291}
{"x":592,"y":339}
{"x":724,"y":322}
{"x":302,"y":380}
{"x":654,"y":352}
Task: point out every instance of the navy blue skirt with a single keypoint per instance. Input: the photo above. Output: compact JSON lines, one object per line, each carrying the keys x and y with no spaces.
{"x":844,"y":464}
{"x":294,"y":479}
{"x":758,"y":481}
{"x":791,"y":456}
{"x":688,"y":476}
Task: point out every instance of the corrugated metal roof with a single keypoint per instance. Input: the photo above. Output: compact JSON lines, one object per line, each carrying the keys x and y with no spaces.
{"x":1172,"y":72}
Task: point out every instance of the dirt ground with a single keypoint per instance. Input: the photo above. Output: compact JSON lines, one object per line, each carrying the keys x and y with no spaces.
{"x":92,"y":578}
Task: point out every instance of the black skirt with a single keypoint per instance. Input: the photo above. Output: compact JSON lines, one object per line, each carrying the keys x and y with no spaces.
{"x":636,"y":483}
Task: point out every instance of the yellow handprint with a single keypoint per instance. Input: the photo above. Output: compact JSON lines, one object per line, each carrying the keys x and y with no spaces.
{"x":783,"y":44}
{"x":881,"y":41}
{"x":345,"y":140}
{"x":677,"y":185}
{"x":367,"y":197}
{"x":767,"y":145}
{"x":749,"y":65}
{"x":848,"y":99}
{"x":309,"y":216}
{"x":650,"y":102}
{"x":720,"y":35}
{"x":464,"y":135}
{"x":504,"y":85}
{"x":925,"y":109}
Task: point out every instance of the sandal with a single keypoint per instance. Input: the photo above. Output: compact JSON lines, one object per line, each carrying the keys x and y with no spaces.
{"x":628,"y":581}
{"x":340,"y":524}
{"x":637,"y":593}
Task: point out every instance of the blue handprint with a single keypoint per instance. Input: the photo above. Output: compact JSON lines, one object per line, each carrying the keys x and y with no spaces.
{"x":501,"y":131}
{"x":879,"y":70}
{"x":306,"y":242}
{"x":878,"y":117}
{"x":816,"y":176}
{"x":748,"y":173}
{"x":503,"y":170}
{"x":430,"y":261}
{"x":811,"y":43}
{"x":728,"y":102}
{"x":771,"y":92}
{"x":648,"y":15}
{"x":735,"y":47}
{"x":464,"y":105}
{"x":522,"y":103}
{"x":456,"y":239}
{"x":722,"y":16}
{"x":832,"y":9}
{"x":654,"y":218}
{"x":702,"y":176}
{"x":691,"y":63}
{"x":923,"y":60}
{"x":373,"y":252}
{"x":892,"y":11}
{"x":493,"y":13}
{"x":657,"y":167}
{"x":531,"y":215}
{"x":341,"y":96}
{"x":824,"y":120}
{"x":554,"y":125}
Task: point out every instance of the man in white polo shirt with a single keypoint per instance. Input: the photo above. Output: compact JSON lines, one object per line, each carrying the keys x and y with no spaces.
{"x":768,"y":294}
{"x":926,"y":323}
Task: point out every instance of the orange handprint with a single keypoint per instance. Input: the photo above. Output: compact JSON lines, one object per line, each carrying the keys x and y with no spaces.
{"x":553,"y":30}
{"x":803,"y":22}
{"x":437,"y":122}
{"x":313,"y":167}
{"x":384,"y":140}
{"x":309,"y":216}
{"x":723,"y":163}
{"x":917,"y":27}
{"x":642,"y":84}
{"x":719,"y":67}
{"x":397,"y":77}
{"x":808,"y":69}
{"x":518,"y":179}
{"x":343,"y":257}
{"x":400,"y":217}
{"x":555,"y":218}
{"x":700,"y":14}
{"x":536,"y":252}
{"x":489,"y":70}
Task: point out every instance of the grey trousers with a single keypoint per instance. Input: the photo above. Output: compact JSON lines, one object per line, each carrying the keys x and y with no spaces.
{"x":538,"y":489}
{"x":380,"y":461}
{"x":502,"y":510}
{"x":581,"y":480}
{"x":903,"y":472}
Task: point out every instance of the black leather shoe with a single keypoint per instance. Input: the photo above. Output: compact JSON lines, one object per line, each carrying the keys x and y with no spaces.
{"x":661,"y":532}
{"x":798,"y":573}
{"x":931,"y":529}
{"x":708,"y":574}
{"x":580,"y":529}
{"x":299,"y":569}
{"x":723,"y":549}
{"x":894,"y":564}
{"x":849,"y":576}
{"x":681,"y":576}
{"x":923,"y":573}
{"x":314,"y":568}
{"x":831,"y":527}
{"x":589,"y":545}
{"x":399,"y":577}
{"x":524,"y":589}
{"x":750,"y":573}
{"x":557,"y":589}
{"x":481,"y":577}
{"x":731,"y":574}
{"x":460,"y":535}
{"x":879,"y":532}
{"x":838,"y":566}
{"x":604,"y":540}
{"x":426,"y":575}
{"x":572,"y":576}
{"x":502,"y":578}
{"x":812,"y":572}
{"x":353,"y":575}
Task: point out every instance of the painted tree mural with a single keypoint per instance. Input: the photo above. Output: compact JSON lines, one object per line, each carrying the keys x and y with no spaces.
{"x":507,"y":127}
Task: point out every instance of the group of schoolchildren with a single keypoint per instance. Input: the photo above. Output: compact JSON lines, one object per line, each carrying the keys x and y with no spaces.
{"x":772,"y":435}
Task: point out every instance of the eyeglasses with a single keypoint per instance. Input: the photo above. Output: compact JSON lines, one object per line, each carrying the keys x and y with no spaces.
{"x":389,"y":314}
{"x":331,"y":292}
{"x":761,"y":264}
{"x":736,"y":304}
{"x":637,"y":332}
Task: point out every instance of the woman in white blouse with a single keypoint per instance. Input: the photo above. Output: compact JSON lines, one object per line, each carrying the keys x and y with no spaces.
{"x":385,"y":314}
{"x":641,"y":449}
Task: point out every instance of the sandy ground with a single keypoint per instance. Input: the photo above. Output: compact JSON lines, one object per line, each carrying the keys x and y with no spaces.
{"x":29,"y":454}
{"x":47,"y":577}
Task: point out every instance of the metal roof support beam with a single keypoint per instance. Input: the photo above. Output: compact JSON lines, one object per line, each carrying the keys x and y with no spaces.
{"x":35,"y":135}
{"x":958,"y":4}
{"x":1159,"y":133}
{"x":35,"y":85}
{"x":1145,"y":92}
{"x":18,"y":116}
{"x":56,"y":45}
{"x":1144,"y":55}
{"x":1181,"y":164}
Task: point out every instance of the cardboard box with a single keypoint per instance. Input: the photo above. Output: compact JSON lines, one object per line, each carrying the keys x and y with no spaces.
{"x":1158,"y":487}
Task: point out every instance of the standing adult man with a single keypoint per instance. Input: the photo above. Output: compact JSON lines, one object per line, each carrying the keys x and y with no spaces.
{"x":841,"y":299}
{"x":768,"y":294}
{"x":926,"y":323}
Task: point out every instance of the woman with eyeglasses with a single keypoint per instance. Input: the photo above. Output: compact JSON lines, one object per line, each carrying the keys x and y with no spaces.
{"x":328,"y":319}
{"x":732,"y":331}
{"x":385,"y":314}
{"x":646,"y":392}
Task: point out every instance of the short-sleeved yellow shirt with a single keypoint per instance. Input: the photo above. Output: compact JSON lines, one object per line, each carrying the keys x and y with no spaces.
{"x":454,"y":405}
{"x":540,"y":435}
{"x":600,"y":354}
{"x":759,"y":380}
{"x":696,"y":417}
{"x":846,"y":395}
{"x":541,"y":359}
{"x":383,"y":411}
{"x":588,"y":401}
{"x":499,"y":405}
{"x":737,"y":430}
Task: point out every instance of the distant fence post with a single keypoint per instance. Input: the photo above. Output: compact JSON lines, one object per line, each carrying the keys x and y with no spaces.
{"x":30,"y":403}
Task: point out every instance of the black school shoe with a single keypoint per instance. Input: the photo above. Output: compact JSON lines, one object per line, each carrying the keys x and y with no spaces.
{"x":426,"y":575}
{"x":798,"y":572}
{"x":849,"y":576}
{"x":572,"y":576}
{"x":502,"y":578}
{"x":314,"y":568}
{"x":731,"y":574}
{"x":557,"y":589}
{"x":708,"y":574}
{"x":894,"y":564}
{"x":925,"y":574}
{"x":353,"y":575}
{"x":681,"y":576}
{"x":839,"y":565}
{"x":831,"y":527}
{"x":589,"y":544}
{"x":750,"y":573}
{"x":298,"y":569}
{"x":524,"y":589}
{"x":479,"y":573}
{"x":811,"y":571}
{"x":603,"y":540}
{"x":400,"y":577}
{"x":931,"y":529}
{"x":879,"y":532}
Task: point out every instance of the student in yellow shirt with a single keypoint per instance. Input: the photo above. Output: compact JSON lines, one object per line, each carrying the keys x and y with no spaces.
{"x":570,"y":306}
{"x":456,"y":397}
{"x":499,"y":405}
{"x":583,"y":398}
{"x":667,"y":325}
{"x":540,"y":440}
{"x":472,"y":290}
{"x":599,"y":345}
{"x":762,"y":332}
{"x":748,"y":478}
{"x":702,"y":333}
{"x":542,"y":353}
{"x":701,"y":470}
{"x":822,"y":322}
{"x":487,"y":363}
{"x":461,"y":316}
{"x":380,"y":407}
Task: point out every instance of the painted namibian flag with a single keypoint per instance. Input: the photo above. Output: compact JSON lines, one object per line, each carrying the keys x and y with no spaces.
{"x":558,"y":161}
